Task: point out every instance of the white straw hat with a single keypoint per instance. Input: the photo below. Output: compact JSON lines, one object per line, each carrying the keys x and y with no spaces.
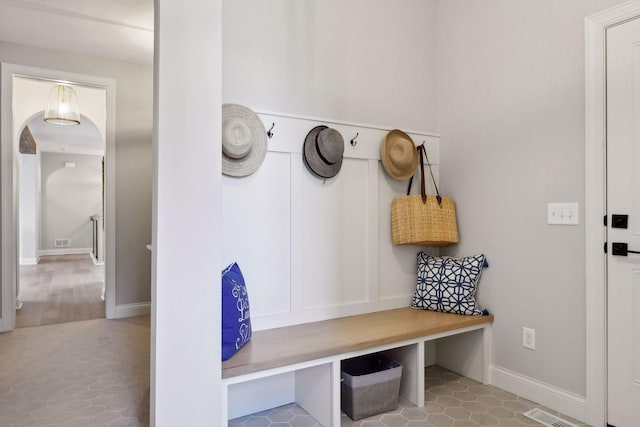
{"x":244,"y":140}
{"x":399,"y":155}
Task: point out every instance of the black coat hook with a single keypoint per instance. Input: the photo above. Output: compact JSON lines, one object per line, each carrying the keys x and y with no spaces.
{"x":269,"y":132}
{"x":353,"y":140}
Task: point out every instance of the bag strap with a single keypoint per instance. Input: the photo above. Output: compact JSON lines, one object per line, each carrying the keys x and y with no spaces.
{"x":422,"y":153}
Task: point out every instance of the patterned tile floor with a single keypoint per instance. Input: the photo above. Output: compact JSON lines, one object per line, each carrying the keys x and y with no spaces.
{"x":79,"y":374}
{"x":450,"y":401}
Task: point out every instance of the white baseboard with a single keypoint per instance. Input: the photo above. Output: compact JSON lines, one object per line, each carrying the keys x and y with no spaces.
{"x":132,"y":310}
{"x":557,"y":399}
{"x":28,"y":261}
{"x":95,"y":260}
{"x":64,"y":251}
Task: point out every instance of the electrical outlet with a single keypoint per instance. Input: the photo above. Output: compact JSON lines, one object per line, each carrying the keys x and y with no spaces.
{"x":528,"y":338}
{"x":562,"y":213}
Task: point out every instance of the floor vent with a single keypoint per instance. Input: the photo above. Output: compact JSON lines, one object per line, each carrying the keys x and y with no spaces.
{"x":547,"y":419}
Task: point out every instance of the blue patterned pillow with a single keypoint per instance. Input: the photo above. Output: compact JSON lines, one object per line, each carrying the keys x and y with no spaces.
{"x":448,"y":284}
{"x":236,"y":323}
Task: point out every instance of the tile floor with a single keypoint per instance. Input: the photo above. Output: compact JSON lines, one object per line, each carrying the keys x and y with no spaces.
{"x":450,"y":401}
{"x":96,"y":373}
{"x":80,"y":374}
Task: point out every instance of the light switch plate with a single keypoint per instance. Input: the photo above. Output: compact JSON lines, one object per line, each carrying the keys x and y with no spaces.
{"x":562,"y":214}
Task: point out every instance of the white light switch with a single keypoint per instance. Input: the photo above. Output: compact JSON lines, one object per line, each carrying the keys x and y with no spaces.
{"x":562,"y":213}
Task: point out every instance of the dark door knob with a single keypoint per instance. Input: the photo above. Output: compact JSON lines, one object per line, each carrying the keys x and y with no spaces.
{"x":621,"y":249}
{"x":619,"y":221}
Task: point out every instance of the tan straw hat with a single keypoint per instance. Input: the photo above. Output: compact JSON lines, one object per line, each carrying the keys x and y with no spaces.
{"x":244,"y":140}
{"x":399,"y":155}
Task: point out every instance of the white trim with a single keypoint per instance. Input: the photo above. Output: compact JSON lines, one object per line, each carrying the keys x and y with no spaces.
{"x":28,"y":261}
{"x":64,"y":251}
{"x":340,"y":122}
{"x":290,"y":129}
{"x":132,"y":310}
{"x":552,"y":397}
{"x":8,"y":179}
{"x":93,"y":258}
{"x":595,"y":206}
{"x":8,"y":213}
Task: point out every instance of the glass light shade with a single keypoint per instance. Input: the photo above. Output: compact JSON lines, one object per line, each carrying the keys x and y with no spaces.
{"x":62,"y":108}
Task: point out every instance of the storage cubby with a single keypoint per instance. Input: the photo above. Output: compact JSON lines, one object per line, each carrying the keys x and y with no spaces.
{"x":301,"y":364}
{"x":310,"y":387}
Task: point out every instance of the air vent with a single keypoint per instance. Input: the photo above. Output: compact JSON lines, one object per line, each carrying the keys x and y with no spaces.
{"x":62,"y":243}
{"x":547,"y":419}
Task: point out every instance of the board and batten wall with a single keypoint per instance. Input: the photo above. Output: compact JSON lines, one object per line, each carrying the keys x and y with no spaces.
{"x":313,"y":249}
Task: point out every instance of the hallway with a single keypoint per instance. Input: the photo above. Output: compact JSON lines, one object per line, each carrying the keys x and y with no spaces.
{"x":60,"y":288}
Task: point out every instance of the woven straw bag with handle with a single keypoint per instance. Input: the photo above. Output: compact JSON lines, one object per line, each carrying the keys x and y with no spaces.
{"x":421,"y":220}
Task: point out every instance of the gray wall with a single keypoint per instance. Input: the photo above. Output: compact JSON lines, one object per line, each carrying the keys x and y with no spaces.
{"x":70,"y":196}
{"x":511,"y":113}
{"x":134,"y":108}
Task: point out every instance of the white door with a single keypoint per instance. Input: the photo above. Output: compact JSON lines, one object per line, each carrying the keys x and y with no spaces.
{"x":623,"y":198}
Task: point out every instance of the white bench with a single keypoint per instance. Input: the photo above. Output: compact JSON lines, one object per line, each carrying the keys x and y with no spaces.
{"x":313,"y":352}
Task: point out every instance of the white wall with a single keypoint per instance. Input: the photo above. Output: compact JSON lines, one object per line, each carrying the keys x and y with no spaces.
{"x":70,"y":196}
{"x":311,"y":249}
{"x":511,"y":113}
{"x":28,"y":206}
{"x":187,"y":195}
{"x":354,"y":61}
{"x":134,"y":99}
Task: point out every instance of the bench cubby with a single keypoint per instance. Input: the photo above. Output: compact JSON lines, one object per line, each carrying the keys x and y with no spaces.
{"x":301,"y":363}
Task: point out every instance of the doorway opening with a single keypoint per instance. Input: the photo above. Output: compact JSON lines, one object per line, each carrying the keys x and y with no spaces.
{"x":60,"y":209}
{"x":58,"y":255}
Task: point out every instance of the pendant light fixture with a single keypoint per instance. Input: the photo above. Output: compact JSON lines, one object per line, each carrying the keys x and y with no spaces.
{"x":62,"y":108}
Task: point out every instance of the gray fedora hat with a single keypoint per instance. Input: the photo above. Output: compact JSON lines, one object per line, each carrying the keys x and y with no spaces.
{"x":322,"y":151}
{"x":244,"y":140}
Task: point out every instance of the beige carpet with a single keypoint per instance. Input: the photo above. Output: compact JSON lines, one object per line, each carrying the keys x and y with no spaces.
{"x":79,"y":374}
{"x":60,"y":288}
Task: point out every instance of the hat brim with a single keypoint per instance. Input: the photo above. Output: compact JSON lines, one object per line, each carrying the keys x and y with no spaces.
{"x":389,"y":167}
{"x":312,"y":159}
{"x":252,"y":161}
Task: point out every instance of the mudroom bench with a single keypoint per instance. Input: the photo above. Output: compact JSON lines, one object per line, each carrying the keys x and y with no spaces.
{"x":302,"y":362}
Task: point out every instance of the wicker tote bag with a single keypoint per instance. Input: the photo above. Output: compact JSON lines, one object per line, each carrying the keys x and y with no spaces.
{"x":421,"y":220}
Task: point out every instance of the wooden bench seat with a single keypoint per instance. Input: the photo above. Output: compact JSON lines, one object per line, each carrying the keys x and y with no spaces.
{"x":302,"y":363}
{"x":279,"y":347}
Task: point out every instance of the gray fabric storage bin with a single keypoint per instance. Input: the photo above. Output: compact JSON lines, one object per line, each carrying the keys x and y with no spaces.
{"x":370,"y":385}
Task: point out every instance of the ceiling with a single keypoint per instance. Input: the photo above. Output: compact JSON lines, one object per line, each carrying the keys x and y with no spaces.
{"x":121,"y":30}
